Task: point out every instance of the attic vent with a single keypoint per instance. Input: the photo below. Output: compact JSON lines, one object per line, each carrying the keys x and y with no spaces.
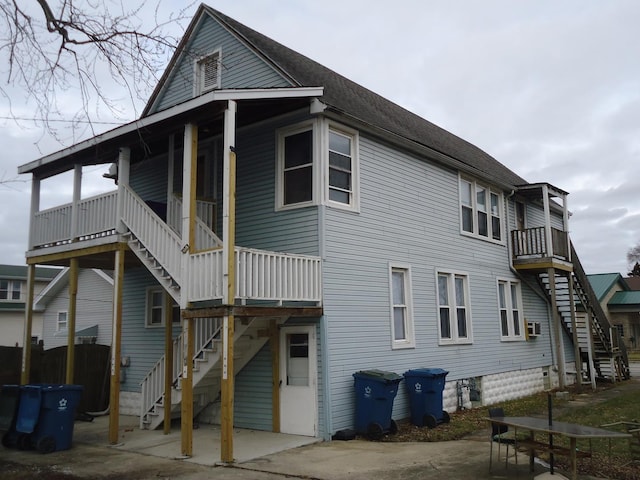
{"x":209,"y":72}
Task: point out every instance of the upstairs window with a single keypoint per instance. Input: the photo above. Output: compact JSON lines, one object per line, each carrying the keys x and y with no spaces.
{"x":10,"y":290}
{"x":454,"y":314}
{"x":317,"y":163}
{"x":208,"y":71}
{"x":401,"y":309}
{"x":480,"y":211}
{"x":343,"y":168}
{"x":509,"y":304}
{"x":297,"y":159}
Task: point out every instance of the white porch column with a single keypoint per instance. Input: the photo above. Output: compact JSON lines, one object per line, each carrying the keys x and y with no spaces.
{"x":124,"y":161}
{"x":547,"y":220}
{"x":228,"y":249}
{"x":35,"y":208}
{"x":77,"y":194}
{"x":189,"y":171}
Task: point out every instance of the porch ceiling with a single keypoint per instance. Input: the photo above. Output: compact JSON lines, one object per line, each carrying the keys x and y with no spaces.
{"x":148,"y":136}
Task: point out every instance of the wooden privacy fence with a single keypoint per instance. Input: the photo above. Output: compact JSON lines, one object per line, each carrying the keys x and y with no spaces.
{"x":91,"y":370}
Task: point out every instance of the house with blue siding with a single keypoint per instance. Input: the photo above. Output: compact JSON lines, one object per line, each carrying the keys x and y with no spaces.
{"x":274,"y":228}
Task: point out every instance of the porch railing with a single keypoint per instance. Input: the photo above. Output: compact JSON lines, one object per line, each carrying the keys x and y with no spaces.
{"x":532,"y":242}
{"x":206,"y":239}
{"x":96,"y":216}
{"x":260,"y":275}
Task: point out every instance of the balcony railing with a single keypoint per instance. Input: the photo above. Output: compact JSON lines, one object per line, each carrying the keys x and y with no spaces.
{"x":532,"y":243}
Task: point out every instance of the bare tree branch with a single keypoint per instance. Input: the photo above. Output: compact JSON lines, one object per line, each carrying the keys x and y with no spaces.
{"x":60,"y":50}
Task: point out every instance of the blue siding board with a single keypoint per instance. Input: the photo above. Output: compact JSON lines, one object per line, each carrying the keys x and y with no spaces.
{"x":409,"y":214}
{"x":253,"y":393}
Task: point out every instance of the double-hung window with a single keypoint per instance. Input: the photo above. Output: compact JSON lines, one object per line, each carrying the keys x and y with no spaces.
{"x":9,"y":290}
{"x":401,"y":309}
{"x":480,"y":210}
{"x":317,"y":164}
{"x":156,"y":307}
{"x":61,"y":321}
{"x":454,"y":314}
{"x":510,"y":307}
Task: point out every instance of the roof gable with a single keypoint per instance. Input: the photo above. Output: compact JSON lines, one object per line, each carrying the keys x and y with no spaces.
{"x":602,"y":283}
{"x":242,"y":67}
{"x":340,"y":94}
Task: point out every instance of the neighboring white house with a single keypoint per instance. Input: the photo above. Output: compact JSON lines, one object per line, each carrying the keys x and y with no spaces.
{"x":13,"y":287}
{"x":93,"y":308}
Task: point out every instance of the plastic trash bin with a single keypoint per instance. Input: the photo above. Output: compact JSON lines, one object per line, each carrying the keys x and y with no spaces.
{"x":45,"y":416}
{"x":9,"y":398}
{"x":424,"y":388}
{"x":375,"y":391}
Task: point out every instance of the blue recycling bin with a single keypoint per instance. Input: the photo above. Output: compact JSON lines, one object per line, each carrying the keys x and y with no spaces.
{"x":45,"y":416}
{"x":375,"y":391}
{"x":424,"y":388}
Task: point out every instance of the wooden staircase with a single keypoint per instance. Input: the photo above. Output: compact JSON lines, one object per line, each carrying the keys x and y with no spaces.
{"x":250,"y":336}
{"x":601,"y":351}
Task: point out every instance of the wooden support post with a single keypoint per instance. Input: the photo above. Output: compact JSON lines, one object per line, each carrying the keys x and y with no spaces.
{"x":186,"y":426}
{"x":168,"y":361}
{"x":28,"y":326}
{"x":114,"y":395}
{"x":228,"y":252}
{"x":71,"y":319}
{"x":557,"y":330}
{"x":274,"y":339}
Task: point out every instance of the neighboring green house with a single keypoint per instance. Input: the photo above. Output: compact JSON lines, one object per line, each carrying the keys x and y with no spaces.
{"x":13,"y":285}
{"x":622,"y":304}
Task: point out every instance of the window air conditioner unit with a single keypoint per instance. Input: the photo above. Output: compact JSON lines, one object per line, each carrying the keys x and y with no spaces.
{"x":533,"y":329}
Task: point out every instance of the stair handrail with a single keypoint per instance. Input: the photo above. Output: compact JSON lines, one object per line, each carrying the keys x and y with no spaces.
{"x":152,"y":385}
{"x":599,"y":314}
{"x":152,"y":232}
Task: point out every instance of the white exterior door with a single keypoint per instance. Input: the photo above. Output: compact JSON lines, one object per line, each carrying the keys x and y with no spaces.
{"x":298,"y":381}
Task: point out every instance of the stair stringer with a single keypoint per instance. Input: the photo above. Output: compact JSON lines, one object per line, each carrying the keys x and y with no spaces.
{"x":249,"y":338}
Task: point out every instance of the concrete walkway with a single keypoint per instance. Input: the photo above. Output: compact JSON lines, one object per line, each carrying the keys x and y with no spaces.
{"x":146,"y":455}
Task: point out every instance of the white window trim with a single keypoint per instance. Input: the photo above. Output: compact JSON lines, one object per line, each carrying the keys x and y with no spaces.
{"x":474,"y":208}
{"x":454,"y":340}
{"x":409,"y":341}
{"x":320,"y":169}
{"x":66,"y":323}
{"x":354,"y":205}
{"x":10,"y":289}
{"x":509,"y":307}
{"x":281,"y":134}
{"x":198,"y":87}
{"x":147,"y":308}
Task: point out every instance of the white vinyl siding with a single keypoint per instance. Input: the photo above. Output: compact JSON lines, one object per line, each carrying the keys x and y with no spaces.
{"x":481,"y":211}
{"x":454,"y":313}
{"x":402,"y":335}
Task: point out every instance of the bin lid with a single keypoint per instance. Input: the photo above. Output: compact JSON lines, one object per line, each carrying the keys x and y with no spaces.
{"x":379,"y":375}
{"x":426,"y":372}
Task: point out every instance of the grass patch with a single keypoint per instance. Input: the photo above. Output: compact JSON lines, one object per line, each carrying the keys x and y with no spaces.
{"x":617,"y":462}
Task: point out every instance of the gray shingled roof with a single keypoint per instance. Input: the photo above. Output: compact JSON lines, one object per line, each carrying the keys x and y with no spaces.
{"x":347,"y":96}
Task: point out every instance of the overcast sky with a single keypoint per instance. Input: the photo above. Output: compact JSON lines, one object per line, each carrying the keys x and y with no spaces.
{"x":550,"y":88}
